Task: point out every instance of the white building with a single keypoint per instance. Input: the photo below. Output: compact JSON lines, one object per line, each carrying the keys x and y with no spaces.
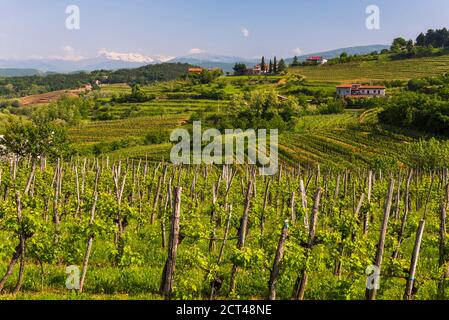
{"x":316,"y":60}
{"x":360,"y":91}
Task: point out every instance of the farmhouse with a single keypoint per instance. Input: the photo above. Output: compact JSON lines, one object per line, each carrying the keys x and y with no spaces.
{"x":257,"y":70}
{"x":360,"y":91}
{"x":316,"y":60}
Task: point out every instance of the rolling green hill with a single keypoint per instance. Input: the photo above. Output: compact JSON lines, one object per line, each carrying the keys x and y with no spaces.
{"x":376,"y":70}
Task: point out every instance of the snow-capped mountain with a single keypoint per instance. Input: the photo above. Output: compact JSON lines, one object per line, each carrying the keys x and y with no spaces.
{"x":110,"y":60}
{"x":210,"y":58}
{"x":104,"y":60}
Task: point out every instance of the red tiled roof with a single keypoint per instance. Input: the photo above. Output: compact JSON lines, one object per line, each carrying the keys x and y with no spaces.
{"x":315,"y":58}
{"x":195,"y":69}
{"x":359,"y":86}
{"x":372,"y":87}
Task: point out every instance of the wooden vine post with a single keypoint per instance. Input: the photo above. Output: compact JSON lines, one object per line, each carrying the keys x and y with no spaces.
{"x":92,"y":235}
{"x":169,"y":270}
{"x":277,"y":262}
{"x":371,"y":293}
{"x":442,"y":261}
{"x":242,"y":233}
{"x":301,"y":282}
{"x":408,"y":295}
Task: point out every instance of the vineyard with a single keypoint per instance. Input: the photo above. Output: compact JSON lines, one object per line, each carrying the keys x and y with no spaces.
{"x":377,"y":70}
{"x":148,"y":230}
{"x":113,"y":219}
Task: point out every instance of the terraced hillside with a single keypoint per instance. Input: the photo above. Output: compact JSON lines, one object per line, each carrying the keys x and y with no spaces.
{"x":376,"y":70}
{"x":347,"y":140}
{"x":341,"y":141}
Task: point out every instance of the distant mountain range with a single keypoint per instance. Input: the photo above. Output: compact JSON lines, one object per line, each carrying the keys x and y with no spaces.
{"x":115,"y":61}
{"x":227,"y":63}
{"x":19,"y":72}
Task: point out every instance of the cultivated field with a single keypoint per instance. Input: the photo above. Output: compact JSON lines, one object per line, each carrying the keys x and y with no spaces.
{"x":50,"y":97}
{"x":377,"y":70}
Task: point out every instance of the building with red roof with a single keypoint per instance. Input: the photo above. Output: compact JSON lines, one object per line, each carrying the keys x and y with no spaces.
{"x":316,"y":60}
{"x":360,"y":91}
{"x":196,"y":70}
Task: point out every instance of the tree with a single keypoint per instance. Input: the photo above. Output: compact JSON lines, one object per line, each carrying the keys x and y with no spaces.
{"x":421,"y":40}
{"x":275,"y":65}
{"x":442,"y":38}
{"x":137,"y":96}
{"x":282,"y":67}
{"x":239,"y":69}
{"x":430,"y":37}
{"x":343,"y":57}
{"x":270,"y":70}
{"x":399,"y":42}
{"x":295,"y":62}
{"x":26,"y":139}
{"x":410,"y":46}
{"x":262,"y":64}
{"x":67,"y":110}
{"x":396,"y":48}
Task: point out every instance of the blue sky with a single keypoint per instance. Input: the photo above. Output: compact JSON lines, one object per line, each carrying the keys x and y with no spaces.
{"x":246,"y":28}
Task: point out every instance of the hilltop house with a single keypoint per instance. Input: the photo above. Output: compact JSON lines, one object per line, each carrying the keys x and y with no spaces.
{"x":316,"y":60}
{"x":195,"y":70}
{"x":360,"y":91}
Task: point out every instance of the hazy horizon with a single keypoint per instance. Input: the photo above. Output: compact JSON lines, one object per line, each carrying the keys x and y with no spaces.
{"x":159,"y":30}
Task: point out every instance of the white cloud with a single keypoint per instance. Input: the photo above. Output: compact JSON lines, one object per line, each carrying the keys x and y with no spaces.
{"x":67,"y":49}
{"x":245,"y":32}
{"x":297,"y":51}
{"x":69,"y":54}
{"x":196,"y":51}
{"x":132,"y":57}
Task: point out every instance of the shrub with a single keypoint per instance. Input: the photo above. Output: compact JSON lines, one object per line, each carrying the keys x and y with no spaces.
{"x":332,"y":107}
{"x":417,"y":111}
{"x":158,"y":137}
{"x":137,"y":96}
